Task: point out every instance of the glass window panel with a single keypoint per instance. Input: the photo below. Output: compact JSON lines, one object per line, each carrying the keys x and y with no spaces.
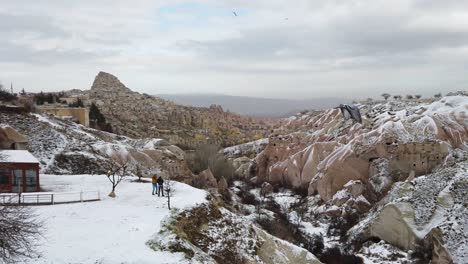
{"x":4,"y":176}
{"x":31,"y":180}
{"x":17,"y":185}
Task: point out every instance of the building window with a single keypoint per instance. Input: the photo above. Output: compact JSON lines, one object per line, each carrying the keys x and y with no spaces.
{"x":4,"y":175}
{"x":17,"y":185}
{"x":31,"y":180}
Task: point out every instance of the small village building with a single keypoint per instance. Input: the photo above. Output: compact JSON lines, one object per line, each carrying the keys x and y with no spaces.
{"x":19,"y":171}
{"x":78,"y":114}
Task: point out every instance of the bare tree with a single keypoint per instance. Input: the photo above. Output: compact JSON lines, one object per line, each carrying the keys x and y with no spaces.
{"x":169,"y":183}
{"x":418,"y":96}
{"x":409,"y":97}
{"x":5,"y":95}
{"x":138,"y":171}
{"x":397,"y":97}
{"x":20,"y":229}
{"x":385,"y":96}
{"x":117,"y":170}
{"x":265,"y":197}
{"x":169,"y":189}
{"x":437,"y":95}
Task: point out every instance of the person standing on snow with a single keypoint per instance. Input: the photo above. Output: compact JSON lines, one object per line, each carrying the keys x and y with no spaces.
{"x":154,"y":181}
{"x":160,"y":186}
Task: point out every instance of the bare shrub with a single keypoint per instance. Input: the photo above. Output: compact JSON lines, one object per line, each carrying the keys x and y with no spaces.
{"x":340,"y":225}
{"x":139,"y":172}
{"x":335,"y":255}
{"x":28,"y":104}
{"x":6,"y":95}
{"x":19,"y":232}
{"x":117,"y":169}
{"x":209,"y":156}
{"x":248,"y":198}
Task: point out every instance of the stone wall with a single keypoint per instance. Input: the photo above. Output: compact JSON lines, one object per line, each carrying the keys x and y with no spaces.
{"x":79,"y":114}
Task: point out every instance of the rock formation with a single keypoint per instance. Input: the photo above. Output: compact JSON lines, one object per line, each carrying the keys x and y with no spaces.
{"x":204,"y":180}
{"x":392,"y":140}
{"x":142,"y":116}
{"x":11,"y":139}
{"x":398,"y":176}
{"x":429,"y":212}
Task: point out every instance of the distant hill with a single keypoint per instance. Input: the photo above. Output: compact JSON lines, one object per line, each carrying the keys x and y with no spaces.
{"x":253,"y":106}
{"x":143,"y":116}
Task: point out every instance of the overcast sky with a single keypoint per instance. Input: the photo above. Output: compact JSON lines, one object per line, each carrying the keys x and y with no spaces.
{"x":282,"y":49}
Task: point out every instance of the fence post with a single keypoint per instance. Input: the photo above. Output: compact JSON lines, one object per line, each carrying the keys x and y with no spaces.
{"x":52,"y":199}
{"x":81,"y":196}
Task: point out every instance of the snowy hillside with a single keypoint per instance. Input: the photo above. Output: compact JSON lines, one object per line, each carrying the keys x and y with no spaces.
{"x":64,"y":147}
{"x":137,"y":227}
{"x":112,"y":230}
{"x":247,"y":149}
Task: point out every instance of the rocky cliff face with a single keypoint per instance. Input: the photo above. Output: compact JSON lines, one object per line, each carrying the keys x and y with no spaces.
{"x":140,"y":115}
{"x":401,"y":170}
{"x":394,"y":140}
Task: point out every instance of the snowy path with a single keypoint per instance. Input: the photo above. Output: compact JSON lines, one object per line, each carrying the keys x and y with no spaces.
{"x":112,"y":230}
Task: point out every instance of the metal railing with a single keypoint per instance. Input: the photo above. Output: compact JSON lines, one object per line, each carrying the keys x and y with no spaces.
{"x":49,"y":198}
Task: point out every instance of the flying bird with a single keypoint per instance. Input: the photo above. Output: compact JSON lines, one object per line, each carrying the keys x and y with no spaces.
{"x":235,"y":14}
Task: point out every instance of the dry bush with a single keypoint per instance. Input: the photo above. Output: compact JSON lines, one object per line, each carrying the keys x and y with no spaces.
{"x":209,"y":156}
{"x":248,"y":198}
{"x":28,"y":104}
{"x":5,"y":95}
{"x":335,"y":255}
{"x":20,"y":230}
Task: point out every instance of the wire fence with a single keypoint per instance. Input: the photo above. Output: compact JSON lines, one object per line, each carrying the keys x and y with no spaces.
{"x":48,"y":198}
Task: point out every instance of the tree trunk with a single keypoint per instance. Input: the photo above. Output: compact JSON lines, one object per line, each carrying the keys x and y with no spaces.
{"x":112,"y":194}
{"x":168,"y":200}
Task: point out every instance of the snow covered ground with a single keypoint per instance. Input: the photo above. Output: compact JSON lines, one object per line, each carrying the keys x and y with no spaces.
{"x":111,"y":230}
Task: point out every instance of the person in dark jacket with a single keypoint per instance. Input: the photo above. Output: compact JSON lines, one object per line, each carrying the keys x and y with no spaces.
{"x":160,"y":186}
{"x":154,"y":181}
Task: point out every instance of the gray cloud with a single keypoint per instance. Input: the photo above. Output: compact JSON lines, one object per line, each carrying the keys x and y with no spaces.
{"x":325,"y":46}
{"x":364,"y":39}
{"x":22,"y":33}
{"x":42,"y":26}
{"x":16,"y":53}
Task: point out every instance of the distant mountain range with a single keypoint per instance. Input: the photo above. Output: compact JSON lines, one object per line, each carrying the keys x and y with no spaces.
{"x":253,"y":106}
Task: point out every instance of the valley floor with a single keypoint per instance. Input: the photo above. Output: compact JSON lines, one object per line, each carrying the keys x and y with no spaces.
{"x":110,"y":230}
